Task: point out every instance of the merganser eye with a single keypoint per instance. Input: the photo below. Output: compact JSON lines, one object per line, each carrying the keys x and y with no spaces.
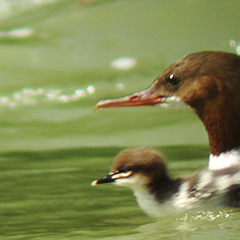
{"x":173,"y":80}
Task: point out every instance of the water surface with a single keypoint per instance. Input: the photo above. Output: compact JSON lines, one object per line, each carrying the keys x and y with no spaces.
{"x":58,"y":59}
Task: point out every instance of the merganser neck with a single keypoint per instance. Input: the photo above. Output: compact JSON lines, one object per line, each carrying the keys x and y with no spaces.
{"x":164,"y":188}
{"x":221,"y":120}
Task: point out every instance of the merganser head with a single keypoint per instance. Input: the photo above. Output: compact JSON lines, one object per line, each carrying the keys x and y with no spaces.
{"x":209,"y":82}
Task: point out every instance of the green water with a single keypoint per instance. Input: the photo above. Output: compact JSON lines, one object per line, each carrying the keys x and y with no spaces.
{"x":57,"y":61}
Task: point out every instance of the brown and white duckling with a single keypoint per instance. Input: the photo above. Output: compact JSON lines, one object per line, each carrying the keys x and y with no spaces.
{"x":144,"y":171}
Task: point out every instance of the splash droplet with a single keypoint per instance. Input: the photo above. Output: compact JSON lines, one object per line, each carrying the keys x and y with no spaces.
{"x":80,"y":92}
{"x":90,"y":89}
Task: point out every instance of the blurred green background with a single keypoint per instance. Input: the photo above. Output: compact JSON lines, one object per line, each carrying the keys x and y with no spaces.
{"x":58,"y":58}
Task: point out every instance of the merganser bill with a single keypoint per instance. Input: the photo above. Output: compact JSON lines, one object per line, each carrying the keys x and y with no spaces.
{"x":144,"y":171}
{"x":209,"y":82}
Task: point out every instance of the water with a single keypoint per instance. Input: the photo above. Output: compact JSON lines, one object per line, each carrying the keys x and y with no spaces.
{"x":58,"y":59}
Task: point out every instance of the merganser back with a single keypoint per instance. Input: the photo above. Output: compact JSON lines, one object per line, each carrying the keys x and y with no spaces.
{"x":209,"y":82}
{"x":144,"y":171}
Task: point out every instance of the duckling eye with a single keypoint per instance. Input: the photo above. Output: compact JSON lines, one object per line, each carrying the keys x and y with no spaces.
{"x":124,"y":170}
{"x":173,"y":80}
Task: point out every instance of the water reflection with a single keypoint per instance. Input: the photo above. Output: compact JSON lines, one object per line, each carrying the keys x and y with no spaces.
{"x":124,"y":63}
{"x":28,"y":96}
{"x":19,"y":32}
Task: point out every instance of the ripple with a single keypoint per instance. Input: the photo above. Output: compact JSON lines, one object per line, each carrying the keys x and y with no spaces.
{"x":205,"y":215}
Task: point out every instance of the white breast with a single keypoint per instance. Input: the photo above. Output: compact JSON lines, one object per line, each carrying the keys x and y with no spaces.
{"x":225,"y":160}
{"x":152,"y":207}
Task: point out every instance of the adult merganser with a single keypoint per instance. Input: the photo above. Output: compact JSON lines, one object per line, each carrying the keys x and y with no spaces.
{"x":144,"y":171}
{"x":209,"y":82}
